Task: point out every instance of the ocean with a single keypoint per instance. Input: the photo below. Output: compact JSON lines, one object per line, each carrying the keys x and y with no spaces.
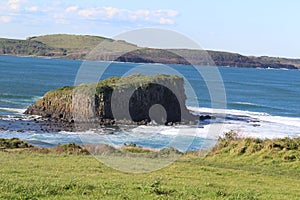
{"x":260,"y":103}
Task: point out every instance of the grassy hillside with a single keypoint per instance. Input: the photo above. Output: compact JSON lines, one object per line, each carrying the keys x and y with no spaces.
{"x":230,"y":171}
{"x":69,"y":41}
{"x":62,"y":46}
{"x":83,"y":42}
{"x":80,"y":46}
{"x":27,"y":47}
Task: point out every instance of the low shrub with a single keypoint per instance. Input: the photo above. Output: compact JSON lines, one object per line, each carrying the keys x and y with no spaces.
{"x":13,"y":143}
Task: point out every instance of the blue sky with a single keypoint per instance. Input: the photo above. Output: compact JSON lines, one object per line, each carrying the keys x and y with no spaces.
{"x":265,"y":27}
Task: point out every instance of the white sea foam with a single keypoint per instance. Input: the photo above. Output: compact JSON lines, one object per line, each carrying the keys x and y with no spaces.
{"x":263,"y":125}
{"x":180,"y":130}
{"x":225,"y":111}
{"x":13,"y":110}
{"x":246,"y":103}
{"x":5,"y":101}
{"x":246,"y":123}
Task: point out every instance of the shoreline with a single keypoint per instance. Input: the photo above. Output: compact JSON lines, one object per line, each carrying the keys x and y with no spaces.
{"x":38,"y":131}
{"x":154,"y":63}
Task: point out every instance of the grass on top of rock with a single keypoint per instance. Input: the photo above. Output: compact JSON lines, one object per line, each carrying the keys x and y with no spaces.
{"x":106,"y":85}
{"x":135,"y":80}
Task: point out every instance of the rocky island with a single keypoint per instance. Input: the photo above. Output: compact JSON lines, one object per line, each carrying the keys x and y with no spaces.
{"x":135,"y":99}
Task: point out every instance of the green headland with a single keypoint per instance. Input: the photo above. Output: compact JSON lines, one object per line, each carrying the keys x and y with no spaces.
{"x":80,"y":47}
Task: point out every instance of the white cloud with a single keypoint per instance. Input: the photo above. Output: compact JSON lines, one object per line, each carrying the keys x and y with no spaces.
{"x":71,"y":8}
{"x":32,"y":9}
{"x":87,"y":12}
{"x":166,"y":21}
{"x":59,"y":18}
{"x":14,"y":4}
{"x":102,"y":12}
{"x":172,"y":13}
{"x":143,"y":12}
{"x":5,"y":19}
{"x":18,"y":10}
{"x":110,"y":13}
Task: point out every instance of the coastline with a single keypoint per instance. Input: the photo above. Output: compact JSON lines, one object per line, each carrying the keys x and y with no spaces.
{"x":43,"y":132}
{"x":83,"y":60}
{"x":218,"y":58}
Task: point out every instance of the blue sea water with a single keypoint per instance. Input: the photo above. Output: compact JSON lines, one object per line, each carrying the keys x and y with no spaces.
{"x":270,"y":95}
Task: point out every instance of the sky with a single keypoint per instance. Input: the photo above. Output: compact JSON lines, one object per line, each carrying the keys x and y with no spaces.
{"x":256,"y":27}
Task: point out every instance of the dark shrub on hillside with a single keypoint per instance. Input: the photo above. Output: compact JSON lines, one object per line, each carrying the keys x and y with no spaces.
{"x":13,"y":143}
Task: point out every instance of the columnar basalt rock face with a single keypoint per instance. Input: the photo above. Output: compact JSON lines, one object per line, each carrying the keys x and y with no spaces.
{"x":117,"y":100}
{"x":55,"y":104}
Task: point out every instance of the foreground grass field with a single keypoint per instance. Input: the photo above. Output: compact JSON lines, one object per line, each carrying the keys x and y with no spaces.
{"x":224,"y":174}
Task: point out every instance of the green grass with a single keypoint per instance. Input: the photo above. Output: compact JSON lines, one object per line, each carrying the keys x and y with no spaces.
{"x":286,"y":149}
{"x":87,"y":42}
{"x":220,"y":175}
{"x":66,"y":41}
{"x":52,"y":176}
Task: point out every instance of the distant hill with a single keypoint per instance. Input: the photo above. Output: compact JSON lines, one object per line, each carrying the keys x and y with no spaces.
{"x":69,"y":42}
{"x":79,"y":47}
{"x":27,"y":47}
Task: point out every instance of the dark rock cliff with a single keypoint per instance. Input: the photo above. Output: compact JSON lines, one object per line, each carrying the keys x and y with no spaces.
{"x":133,"y":99}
